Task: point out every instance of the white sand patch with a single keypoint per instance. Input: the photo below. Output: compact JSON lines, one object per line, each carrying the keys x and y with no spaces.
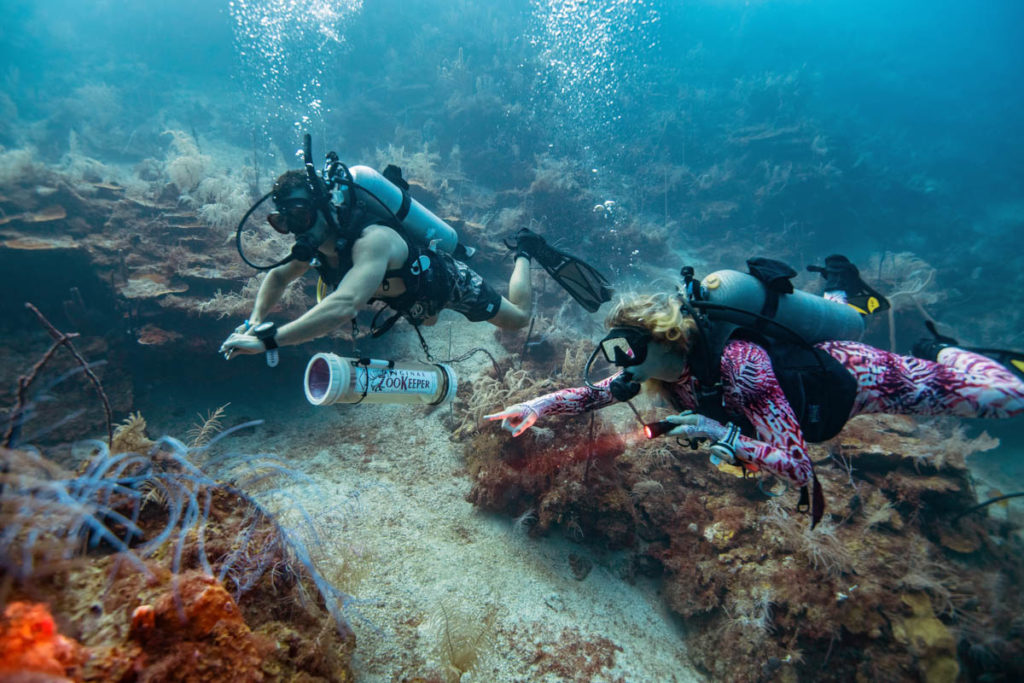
{"x":428,"y":554}
{"x":433,"y":573}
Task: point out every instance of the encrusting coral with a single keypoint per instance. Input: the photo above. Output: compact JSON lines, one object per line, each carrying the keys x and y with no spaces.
{"x":888,"y":582}
{"x":29,"y":641}
{"x":187,"y":577}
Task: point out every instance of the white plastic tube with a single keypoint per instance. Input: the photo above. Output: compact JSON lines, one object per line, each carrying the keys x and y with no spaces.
{"x":420,"y":222}
{"x":334,"y":379}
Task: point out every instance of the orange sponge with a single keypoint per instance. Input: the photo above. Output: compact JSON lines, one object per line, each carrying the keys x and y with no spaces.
{"x":29,"y":642}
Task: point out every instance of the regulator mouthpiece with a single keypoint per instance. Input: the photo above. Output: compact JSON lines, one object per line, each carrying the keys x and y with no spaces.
{"x":334,"y":379}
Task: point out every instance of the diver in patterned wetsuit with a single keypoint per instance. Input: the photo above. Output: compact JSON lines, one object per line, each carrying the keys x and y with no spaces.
{"x":945,"y":380}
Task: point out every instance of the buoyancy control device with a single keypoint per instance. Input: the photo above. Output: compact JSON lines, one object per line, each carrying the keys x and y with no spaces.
{"x":763,"y":307}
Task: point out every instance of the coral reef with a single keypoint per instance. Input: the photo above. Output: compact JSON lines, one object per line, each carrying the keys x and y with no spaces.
{"x":157,"y":571}
{"x":126,"y":169}
{"x":148,"y":262}
{"x":889,"y":585}
{"x":569,"y":480}
{"x":29,"y":641}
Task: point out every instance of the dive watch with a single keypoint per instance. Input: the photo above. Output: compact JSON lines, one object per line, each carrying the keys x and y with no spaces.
{"x":266,"y":333}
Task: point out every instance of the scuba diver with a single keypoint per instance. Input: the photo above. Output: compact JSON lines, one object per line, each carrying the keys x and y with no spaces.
{"x":369,"y":241}
{"x":759,"y":369}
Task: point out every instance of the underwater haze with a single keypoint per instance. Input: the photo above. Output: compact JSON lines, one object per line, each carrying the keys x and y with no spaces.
{"x":642,"y":136}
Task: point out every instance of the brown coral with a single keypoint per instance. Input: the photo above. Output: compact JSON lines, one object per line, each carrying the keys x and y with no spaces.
{"x":198,"y":633}
{"x":749,"y":575}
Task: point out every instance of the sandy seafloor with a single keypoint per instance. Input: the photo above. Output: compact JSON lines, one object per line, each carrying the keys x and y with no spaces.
{"x":399,"y":535}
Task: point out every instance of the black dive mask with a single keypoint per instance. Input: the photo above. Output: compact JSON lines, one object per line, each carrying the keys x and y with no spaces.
{"x":299,"y":217}
{"x":624,"y":347}
{"x":294,"y":216}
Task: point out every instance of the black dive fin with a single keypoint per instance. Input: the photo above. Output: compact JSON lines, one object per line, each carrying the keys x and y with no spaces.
{"x":867,"y":300}
{"x":587,"y":286}
{"x":839,"y":273}
{"x":582,"y":281}
{"x":1011,"y":360}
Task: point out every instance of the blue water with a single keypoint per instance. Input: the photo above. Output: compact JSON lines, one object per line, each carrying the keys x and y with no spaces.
{"x":713,"y":129}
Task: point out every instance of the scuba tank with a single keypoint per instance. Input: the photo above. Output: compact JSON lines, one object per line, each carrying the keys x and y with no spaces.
{"x":733,"y":298}
{"x":333,"y":379}
{"x":385,"y":199}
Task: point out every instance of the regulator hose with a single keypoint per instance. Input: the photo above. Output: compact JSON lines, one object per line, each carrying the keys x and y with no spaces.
{"x":988,"y":502}
{"x":238,"y":238}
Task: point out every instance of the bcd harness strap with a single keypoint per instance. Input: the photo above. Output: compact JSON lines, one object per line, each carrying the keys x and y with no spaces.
{"x":775,"y":276}
{"x":394,"y":174}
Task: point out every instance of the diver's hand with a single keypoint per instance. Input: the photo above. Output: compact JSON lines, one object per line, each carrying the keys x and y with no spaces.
{"x":516,"y":419}
{"x":243,"y":344}
{"x":246,"y":326}
{"x":691,"y":425}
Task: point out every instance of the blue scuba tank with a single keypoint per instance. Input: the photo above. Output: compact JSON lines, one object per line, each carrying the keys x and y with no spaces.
{"x":419,"y":222}
{"x":812,"y":317}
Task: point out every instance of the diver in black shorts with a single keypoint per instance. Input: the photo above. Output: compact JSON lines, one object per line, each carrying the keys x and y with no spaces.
{"x":364,"y":256}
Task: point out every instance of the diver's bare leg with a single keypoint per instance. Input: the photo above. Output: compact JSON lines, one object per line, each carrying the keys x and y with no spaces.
{"x":520,"y":289}
{"x":515,"y":311}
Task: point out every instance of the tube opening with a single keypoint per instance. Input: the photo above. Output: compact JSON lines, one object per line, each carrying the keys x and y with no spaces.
{"x":318,"y":379}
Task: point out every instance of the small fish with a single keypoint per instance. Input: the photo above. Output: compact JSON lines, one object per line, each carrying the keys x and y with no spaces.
{"x":996,"y":493}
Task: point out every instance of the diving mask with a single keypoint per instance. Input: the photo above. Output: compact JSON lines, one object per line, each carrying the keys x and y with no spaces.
{"x":624,"y":347}
{"x":294,"y":216}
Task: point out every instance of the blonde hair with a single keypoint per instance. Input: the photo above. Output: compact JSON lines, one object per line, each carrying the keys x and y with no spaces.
{"x":659,"y":314}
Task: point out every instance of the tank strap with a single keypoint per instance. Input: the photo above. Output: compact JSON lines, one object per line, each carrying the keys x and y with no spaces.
{"x":403,"y":210}
{"x":770,"y":307}
{"x":393,"y":174}
{"x":775,"y":276}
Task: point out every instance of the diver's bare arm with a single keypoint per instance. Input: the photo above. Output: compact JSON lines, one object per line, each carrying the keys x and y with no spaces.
{"x":370,"y":262}
{"x":272,"y":289}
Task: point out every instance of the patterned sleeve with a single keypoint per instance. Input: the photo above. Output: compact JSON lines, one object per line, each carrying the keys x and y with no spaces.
{"x":573,"y":401}
{"x":753,"y":390}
